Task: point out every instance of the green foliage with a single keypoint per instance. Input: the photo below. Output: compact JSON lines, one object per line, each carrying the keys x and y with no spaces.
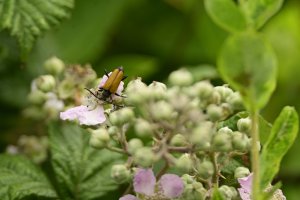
{"x":216,"y":195}
{"x":260,"y":11}
{"x":226,"y":14}
{"x":248,"y":64}
{"x":28,"y":19}
{"x":19,"y":178}
{"x":81,"y":171}
{"x":284,"y":132}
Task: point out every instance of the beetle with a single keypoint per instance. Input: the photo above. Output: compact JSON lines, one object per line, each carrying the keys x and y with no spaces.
{"x":110,"y":86}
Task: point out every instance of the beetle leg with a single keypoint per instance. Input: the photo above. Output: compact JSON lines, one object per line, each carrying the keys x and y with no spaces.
{"x":120,"y":95}
{"x":92,"y":93}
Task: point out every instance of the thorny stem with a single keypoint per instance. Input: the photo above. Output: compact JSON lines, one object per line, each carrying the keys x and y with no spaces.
{"x":213,"y":157}
{"x":163,"y":170}
{"x":255,"y":155}
{"x":118,"y":150}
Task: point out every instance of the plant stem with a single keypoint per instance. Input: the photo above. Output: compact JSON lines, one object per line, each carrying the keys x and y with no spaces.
{"x":213,"y":157}
{"x":255,"y":155}
{"x":115,"y":149}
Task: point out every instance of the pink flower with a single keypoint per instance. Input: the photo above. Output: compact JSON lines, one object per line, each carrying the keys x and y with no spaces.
{"x":246,"y":187}
{"x":170,"y":185}
{"x":128,"y":197}
{"x":84,"y":115}
{"x":92,"y":113}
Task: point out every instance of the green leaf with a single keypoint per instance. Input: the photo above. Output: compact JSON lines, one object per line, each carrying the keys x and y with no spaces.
{"x":226,"y":14}
{"x":284,"y":132}
{"x":20,"y":178}
{"x":28,"y":19}
{"x":260,"y":11}
{"x":249,"y":65}
{"x":82,"y":172}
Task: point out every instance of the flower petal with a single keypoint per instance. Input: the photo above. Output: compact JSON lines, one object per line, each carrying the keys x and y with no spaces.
{"x":84,"y":115}
{"x":172,"y":185}
{"x":128,"y":197}
{"x":144,"y":182}
{"x":246,"y":182}
{"x":245,"y":195}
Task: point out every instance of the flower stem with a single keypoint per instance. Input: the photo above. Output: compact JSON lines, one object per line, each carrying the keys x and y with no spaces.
{"x":213,"y":157}
{"x":255,"y":155}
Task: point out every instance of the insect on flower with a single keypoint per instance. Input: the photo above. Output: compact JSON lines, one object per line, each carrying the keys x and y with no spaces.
{"x":111,"y":85}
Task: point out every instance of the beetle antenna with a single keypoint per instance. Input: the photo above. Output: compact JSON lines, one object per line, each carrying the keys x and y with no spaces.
{"x":106,"y":73}
{"x":92,"y":93}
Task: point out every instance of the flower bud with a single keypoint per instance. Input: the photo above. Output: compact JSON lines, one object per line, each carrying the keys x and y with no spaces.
{"x":178,"y":140}
{"x":224,"y":91}
{"x":225,"y":130}
{"x":205,"y":169}
{"x":244,"y":125}
{"x":120,"y":173}
{"x":187,"y":179}
{"x":121,"y":116}
{"x":66,"y":89}
{"x":241,"y":172}
{"x":240,"y":141}
{"x":201,"y":136}
{"x":215,"y":97}
{"x":99,"y":138}
{"x":37,"y":97}
{"x":162,"y":111}
{"x":158,"y":90}
{"x":235,"y":100}
{"x":54,"y":66}
{"x":143,"y":128}
{"x":193,"y":194}
{"x":45,"y":83}
{"x":134,"y":145}
{"x":222,"y":142}
{"x":181,"y":77}
{"x":228,"y":192}
{"x":184,"y":163}
{"x":257,"y":143}
{"x":137,"y":92}
{"x":144,"y":157}
{"x":204,"y":89}
{"x":214,"y":112}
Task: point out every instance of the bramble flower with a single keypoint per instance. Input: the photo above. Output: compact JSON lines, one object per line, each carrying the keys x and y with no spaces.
{"x":92,"y":113}
{"x":246,"y":185}
{"x":168,"y":187}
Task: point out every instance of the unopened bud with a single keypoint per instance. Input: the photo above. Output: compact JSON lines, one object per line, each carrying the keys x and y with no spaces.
{"x":204,"y":89}
{"x":45,"y":83}
{"x":121,"y":116}
{"x":137,"y":92}
{"x":184,"y":163}
{"x":235,"y":100}
{"x":241,"y":172}
{"x":134,"y":145}
{"x":222,"y":142}
{"x":144,"y":157}
{"x":228,"y":192}
{"x":99,"y":138}
{"x":143,"y":128}
{"x":205,"y":169}
{"x":214,"y":112}
{"x":181,"y":77}
{"x":162,"y":111}
{"x":201,"y":136}
{"x":37,"y":97}
{"x":187,"y":179}
{"x":224,"y":91}
{"x":240,"y":141}
{"x":225,"y":130}
{"x":120,"y":173}
{"x":158,"y":90}
{"x":244,"y":125}
{"x":178,"y":140}
{"x":66,"y":89}
{"x":54,"y":66}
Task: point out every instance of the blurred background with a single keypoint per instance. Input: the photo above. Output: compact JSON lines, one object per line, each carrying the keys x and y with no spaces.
{"x":150,"y":39}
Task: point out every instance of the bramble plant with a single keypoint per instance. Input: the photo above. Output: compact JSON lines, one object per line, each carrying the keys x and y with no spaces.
{"x":186,"y":140}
